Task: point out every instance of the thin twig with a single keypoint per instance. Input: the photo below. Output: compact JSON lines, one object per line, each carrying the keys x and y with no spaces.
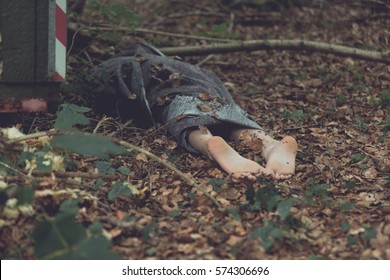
{"x":298,"y":45}
{"x":75,"y":174}
{"x":33,"y":136}
{"x":203,"y":61}
{"x":100,"y":123}
{"x":13,"y":169}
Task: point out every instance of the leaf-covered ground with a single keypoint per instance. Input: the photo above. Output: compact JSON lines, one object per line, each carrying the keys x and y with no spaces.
{"x":337,"y":206}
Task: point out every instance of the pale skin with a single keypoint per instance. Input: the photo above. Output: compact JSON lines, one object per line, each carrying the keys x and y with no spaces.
{"x":279,"y":155}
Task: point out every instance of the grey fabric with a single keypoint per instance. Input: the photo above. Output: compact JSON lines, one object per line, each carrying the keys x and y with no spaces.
{"x":171,"y":93}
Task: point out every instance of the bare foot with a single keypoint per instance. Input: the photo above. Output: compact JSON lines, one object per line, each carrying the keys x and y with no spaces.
{"x":232,"y":162}
{"x":280,"y":157}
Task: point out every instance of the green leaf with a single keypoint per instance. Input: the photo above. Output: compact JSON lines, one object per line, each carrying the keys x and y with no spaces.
{"x":191,"y":195}
{"x":148,"y":229}
{"x":250,"y":194}
{"x":151,"y":251}
{"x":284,"y":208}
{"x":43,"y":163}
{"x":124,"y":170}
{"x":62,"y":237}
{"x":104,"y":167}
{"x":341,"y":100}
{"x":268,"y":234}
{"x":295,"y":115}
{"x":345,"y":226}
{"x":350,"y":184}
{"x":4,"y":171}
{"x":369,"y":233}
{"x":59,"y":233}
{"x":98,"y":183}
{"x":320,"y":190}
{"x":93,"y":248}
{"x":25,"y":195}
{"x":118,"y":189}
{"x":268,"y":196}
{"x":385,"y":98}
{"x":357,"y":157}
{"x":69,"y":115}
{"x":174,"y":213}
{"x":235,"y":213}
{"x":23,"y":157}
{"x":3,"y":198}
{"x":216,"y":182}
{"x":346,"y":205}
{"x":88,"y":145}
{"x":351,"y":240}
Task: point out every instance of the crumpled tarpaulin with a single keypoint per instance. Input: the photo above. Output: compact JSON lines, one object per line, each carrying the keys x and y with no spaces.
{"x":170,"y":92}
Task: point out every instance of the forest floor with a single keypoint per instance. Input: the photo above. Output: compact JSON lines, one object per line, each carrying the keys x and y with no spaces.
{"x":337,"y":206}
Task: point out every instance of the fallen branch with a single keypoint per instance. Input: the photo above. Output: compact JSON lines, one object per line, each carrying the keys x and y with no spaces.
{"x":256,"y":45}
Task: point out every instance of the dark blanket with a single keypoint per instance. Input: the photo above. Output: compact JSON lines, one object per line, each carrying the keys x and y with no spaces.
{"x":171,"y":93}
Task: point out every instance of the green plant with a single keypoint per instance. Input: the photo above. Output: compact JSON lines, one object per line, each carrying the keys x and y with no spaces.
{"x":61,"y":237}
{"x":267,"y":198}
{"x":295,"y":115}
{"x":341,"y":100}
{"x":268,"y":234}
{"x":385,"y":98}
{"x":115,"y":12}
{"x":317,"y":192}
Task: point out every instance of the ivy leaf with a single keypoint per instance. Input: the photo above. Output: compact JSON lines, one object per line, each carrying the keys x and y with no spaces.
{"x":104,"y":167}
{"x":320,"y":190}
{"x":148,"y":229}
{"x":62,"y":237}
{"x":268,"y":234}
{"x":70,"y":115}
{"x":23,"y":157}
{"x":25,"y":195}
{"x":124,"y":170}
{"x":250,"y":194}
{"x":284,"y":208}
{"x":174,"y":213}
{"x":346,"y":205}
{"x":357,"y":157}
{"x":235,"y":213}
{"x":4,"y":171}
{"x":268,"y":196}
{"x":369,"y":233}
{"x":345,"y":226}
{"x":87,"y":145}
{"x":98,"y":183}
{"x":43,"y":163}
{"x":216,"y":182}
{"x":60,"y":233}
{"x":385,"y":98}
{"x":96,"y":247}
{"x":118,"y":189}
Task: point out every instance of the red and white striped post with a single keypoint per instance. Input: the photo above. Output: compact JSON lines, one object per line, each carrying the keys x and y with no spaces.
{"x":34,"y":54}
{"x":60,"y":41}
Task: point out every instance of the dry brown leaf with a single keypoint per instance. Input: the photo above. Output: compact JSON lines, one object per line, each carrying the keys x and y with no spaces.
{"x":141,"y":157}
